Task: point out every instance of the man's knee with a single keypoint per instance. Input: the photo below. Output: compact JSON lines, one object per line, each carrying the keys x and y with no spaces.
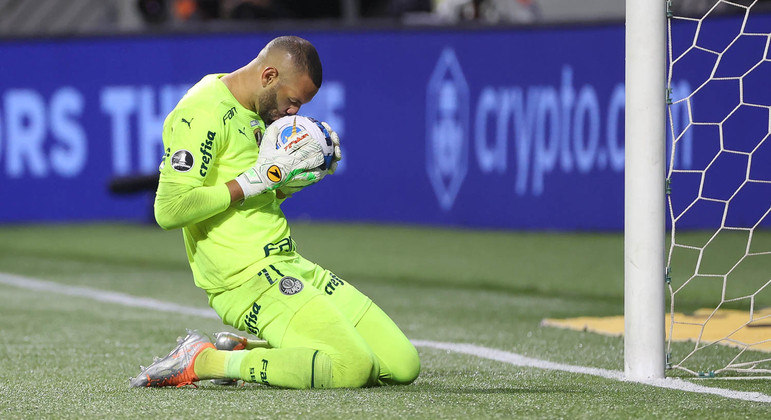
{"x":404,"y":367}
{"x":354,"y":368}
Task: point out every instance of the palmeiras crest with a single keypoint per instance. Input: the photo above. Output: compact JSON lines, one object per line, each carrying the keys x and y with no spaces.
{"x":447,"y":128}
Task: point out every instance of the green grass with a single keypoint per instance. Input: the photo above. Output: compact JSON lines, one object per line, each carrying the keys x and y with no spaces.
{"x":71,"y":357}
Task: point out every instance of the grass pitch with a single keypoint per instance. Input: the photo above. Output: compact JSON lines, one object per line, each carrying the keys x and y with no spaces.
{"x":65,"y":356}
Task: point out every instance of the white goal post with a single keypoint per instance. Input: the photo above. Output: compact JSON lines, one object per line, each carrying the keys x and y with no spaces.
{"x":644,"y":186}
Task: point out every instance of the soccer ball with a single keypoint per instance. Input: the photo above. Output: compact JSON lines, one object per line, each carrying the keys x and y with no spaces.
{"x":295,"y":127}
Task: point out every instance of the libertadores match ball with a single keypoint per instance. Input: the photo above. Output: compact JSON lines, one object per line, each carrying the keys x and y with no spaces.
{"x":295,"y":127}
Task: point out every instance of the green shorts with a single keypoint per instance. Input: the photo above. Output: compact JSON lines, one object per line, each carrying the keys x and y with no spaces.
{"x":264,"y":305}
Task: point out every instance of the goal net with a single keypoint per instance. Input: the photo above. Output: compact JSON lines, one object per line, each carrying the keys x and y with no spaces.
{"x":719,"y":187}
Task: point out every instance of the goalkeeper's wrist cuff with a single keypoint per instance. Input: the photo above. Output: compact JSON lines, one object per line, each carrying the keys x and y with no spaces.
{"x":250,"y":184}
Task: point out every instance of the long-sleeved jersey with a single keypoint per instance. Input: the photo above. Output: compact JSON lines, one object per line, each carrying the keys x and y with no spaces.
{"x":209,"y":139}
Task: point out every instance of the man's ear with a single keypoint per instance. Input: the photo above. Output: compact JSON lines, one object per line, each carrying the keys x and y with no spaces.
{"x":269,"y":76}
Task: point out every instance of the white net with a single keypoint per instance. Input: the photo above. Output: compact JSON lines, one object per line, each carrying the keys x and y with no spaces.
{"x":719,"y":188}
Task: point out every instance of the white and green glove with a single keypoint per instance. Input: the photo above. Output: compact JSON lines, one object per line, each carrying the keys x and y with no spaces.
{"x":276,"y":167}
{"x":336,"y":141}
{"x":316,"y":174}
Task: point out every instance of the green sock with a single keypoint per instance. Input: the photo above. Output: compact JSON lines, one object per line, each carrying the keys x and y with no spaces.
{"x":233,"y":362}
{"x":322,"y":371}
{"x":210,"y":364}
{"x":297,"y":367}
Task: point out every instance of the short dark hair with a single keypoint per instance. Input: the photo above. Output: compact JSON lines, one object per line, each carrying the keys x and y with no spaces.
{"x":303,"y":54}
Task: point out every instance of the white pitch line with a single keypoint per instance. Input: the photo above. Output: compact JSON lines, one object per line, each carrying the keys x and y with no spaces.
{"x":104,"y":296}
{"x":519,"y":360}
{"x":469,"y":349}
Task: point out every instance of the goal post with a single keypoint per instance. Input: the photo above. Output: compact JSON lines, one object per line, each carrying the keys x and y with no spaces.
{"x":644,"y":186}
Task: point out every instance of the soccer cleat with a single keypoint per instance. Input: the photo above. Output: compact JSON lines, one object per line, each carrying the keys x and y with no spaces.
{"x":176,"y":369}
{"x":228,"y":341}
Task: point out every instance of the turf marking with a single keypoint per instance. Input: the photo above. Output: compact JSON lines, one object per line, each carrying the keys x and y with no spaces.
{"x":468,"y":349}
{"x":104,"y":296}
{"x":745,"y":329}
{"x":519,"y":360}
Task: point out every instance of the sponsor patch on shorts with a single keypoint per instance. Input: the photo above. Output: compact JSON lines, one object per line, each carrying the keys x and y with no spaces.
{"x":290,"y":285}
{"x":182,"y":160}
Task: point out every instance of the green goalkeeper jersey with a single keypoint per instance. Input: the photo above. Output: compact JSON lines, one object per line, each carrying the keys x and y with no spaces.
{"x":209,"y":139}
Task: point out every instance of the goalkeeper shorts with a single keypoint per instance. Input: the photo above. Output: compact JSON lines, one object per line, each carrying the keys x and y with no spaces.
{"x":264,"y":305}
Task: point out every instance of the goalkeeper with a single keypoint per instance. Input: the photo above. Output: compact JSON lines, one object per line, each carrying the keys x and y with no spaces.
{"x":320,"y":331}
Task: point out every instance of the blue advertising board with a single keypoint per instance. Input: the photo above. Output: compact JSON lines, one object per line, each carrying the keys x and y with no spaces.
{"x":518,"y":129}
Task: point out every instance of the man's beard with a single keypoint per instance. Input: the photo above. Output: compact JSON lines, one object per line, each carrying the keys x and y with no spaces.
{"x":268,"y":104}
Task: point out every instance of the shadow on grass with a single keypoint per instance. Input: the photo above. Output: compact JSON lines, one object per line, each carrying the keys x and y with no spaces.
{"x":412,"y":389}
{"x":433,"y":389}
{"x":149,"y":262}
{"x":512,"y":289}
{"x":154,"y":263}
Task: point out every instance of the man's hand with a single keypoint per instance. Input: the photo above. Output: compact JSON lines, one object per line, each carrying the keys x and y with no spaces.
{"x":336,"y":141}
{"x":276,"y":167}
{"x":316,"y":174}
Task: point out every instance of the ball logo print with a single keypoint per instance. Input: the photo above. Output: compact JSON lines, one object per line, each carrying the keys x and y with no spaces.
{"x":290,"y":135}
{"x":447,"y":128}
{"x":274,"y":173}
{"x":293,"y":129}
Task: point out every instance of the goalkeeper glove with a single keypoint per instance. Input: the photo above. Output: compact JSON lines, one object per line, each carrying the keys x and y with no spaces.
{"x":277,"y":166}
{"x":315,"y":175}
{"x":336,"y":141}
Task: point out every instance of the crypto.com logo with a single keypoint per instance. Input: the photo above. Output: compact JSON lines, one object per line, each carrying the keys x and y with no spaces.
{"x":447,"y":128}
